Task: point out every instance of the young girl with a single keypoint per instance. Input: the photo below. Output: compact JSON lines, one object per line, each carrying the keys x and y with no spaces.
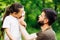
{"x":10,"y":22}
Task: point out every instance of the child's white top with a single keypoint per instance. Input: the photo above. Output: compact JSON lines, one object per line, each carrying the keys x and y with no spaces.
{"x":13,"y":25}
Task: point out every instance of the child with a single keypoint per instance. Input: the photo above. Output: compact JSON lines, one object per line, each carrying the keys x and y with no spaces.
{"x":10,"y":22}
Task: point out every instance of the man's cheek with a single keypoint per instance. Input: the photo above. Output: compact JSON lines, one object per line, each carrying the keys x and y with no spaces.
{"x":40,"y":18}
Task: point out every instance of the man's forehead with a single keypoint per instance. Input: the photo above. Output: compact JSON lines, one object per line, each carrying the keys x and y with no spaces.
{"x":43,"y":13}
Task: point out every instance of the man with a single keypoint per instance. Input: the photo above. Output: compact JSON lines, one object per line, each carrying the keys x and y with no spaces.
{"x":46,"y":19}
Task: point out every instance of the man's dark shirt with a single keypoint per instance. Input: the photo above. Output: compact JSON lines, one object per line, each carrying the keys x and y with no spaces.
{"x":48,"y":34}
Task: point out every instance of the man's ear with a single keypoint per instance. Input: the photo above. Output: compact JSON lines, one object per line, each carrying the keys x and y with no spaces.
{"x":46,"y":20}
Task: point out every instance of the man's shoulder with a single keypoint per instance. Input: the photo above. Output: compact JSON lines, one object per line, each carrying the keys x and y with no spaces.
{"x":46,"y":35}
{"x":49,"y":31}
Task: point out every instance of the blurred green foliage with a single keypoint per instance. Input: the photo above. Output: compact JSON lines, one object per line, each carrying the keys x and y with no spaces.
{"x":33,"y":8}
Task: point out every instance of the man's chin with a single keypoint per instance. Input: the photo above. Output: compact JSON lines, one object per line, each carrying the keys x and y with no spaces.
{"x":40,"y":23}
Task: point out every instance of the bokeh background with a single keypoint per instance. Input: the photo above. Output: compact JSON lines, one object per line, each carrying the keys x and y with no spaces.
{"x":33,"y":8}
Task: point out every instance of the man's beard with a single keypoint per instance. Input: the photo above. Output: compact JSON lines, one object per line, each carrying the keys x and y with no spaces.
{"x":40,"y":23}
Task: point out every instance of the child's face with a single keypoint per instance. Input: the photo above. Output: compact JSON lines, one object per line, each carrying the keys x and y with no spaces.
{"x":20,"y":13}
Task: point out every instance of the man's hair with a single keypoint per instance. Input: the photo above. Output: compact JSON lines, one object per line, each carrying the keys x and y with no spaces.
{"x":51,"y":15}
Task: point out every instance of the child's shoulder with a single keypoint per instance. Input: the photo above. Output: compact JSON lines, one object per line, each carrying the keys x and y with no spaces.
{"x":7,"y":17}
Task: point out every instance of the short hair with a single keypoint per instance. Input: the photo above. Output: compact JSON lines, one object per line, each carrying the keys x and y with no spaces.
{"x":50,"y":14}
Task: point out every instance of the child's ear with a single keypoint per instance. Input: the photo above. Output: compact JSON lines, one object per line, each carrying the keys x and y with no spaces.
{"x":14,"y":12}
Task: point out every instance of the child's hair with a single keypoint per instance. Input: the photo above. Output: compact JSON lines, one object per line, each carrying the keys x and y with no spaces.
{"x":13,"y":8}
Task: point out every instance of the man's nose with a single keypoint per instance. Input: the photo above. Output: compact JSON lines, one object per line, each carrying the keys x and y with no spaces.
{"x":39,"y":16}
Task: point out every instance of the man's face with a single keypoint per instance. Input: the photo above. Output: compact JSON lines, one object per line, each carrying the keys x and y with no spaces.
{"x":42,"y":19}
{"x":20,"y":13}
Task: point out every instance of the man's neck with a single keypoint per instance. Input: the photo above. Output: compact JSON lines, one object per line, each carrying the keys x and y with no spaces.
{"x":44,"y":27}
